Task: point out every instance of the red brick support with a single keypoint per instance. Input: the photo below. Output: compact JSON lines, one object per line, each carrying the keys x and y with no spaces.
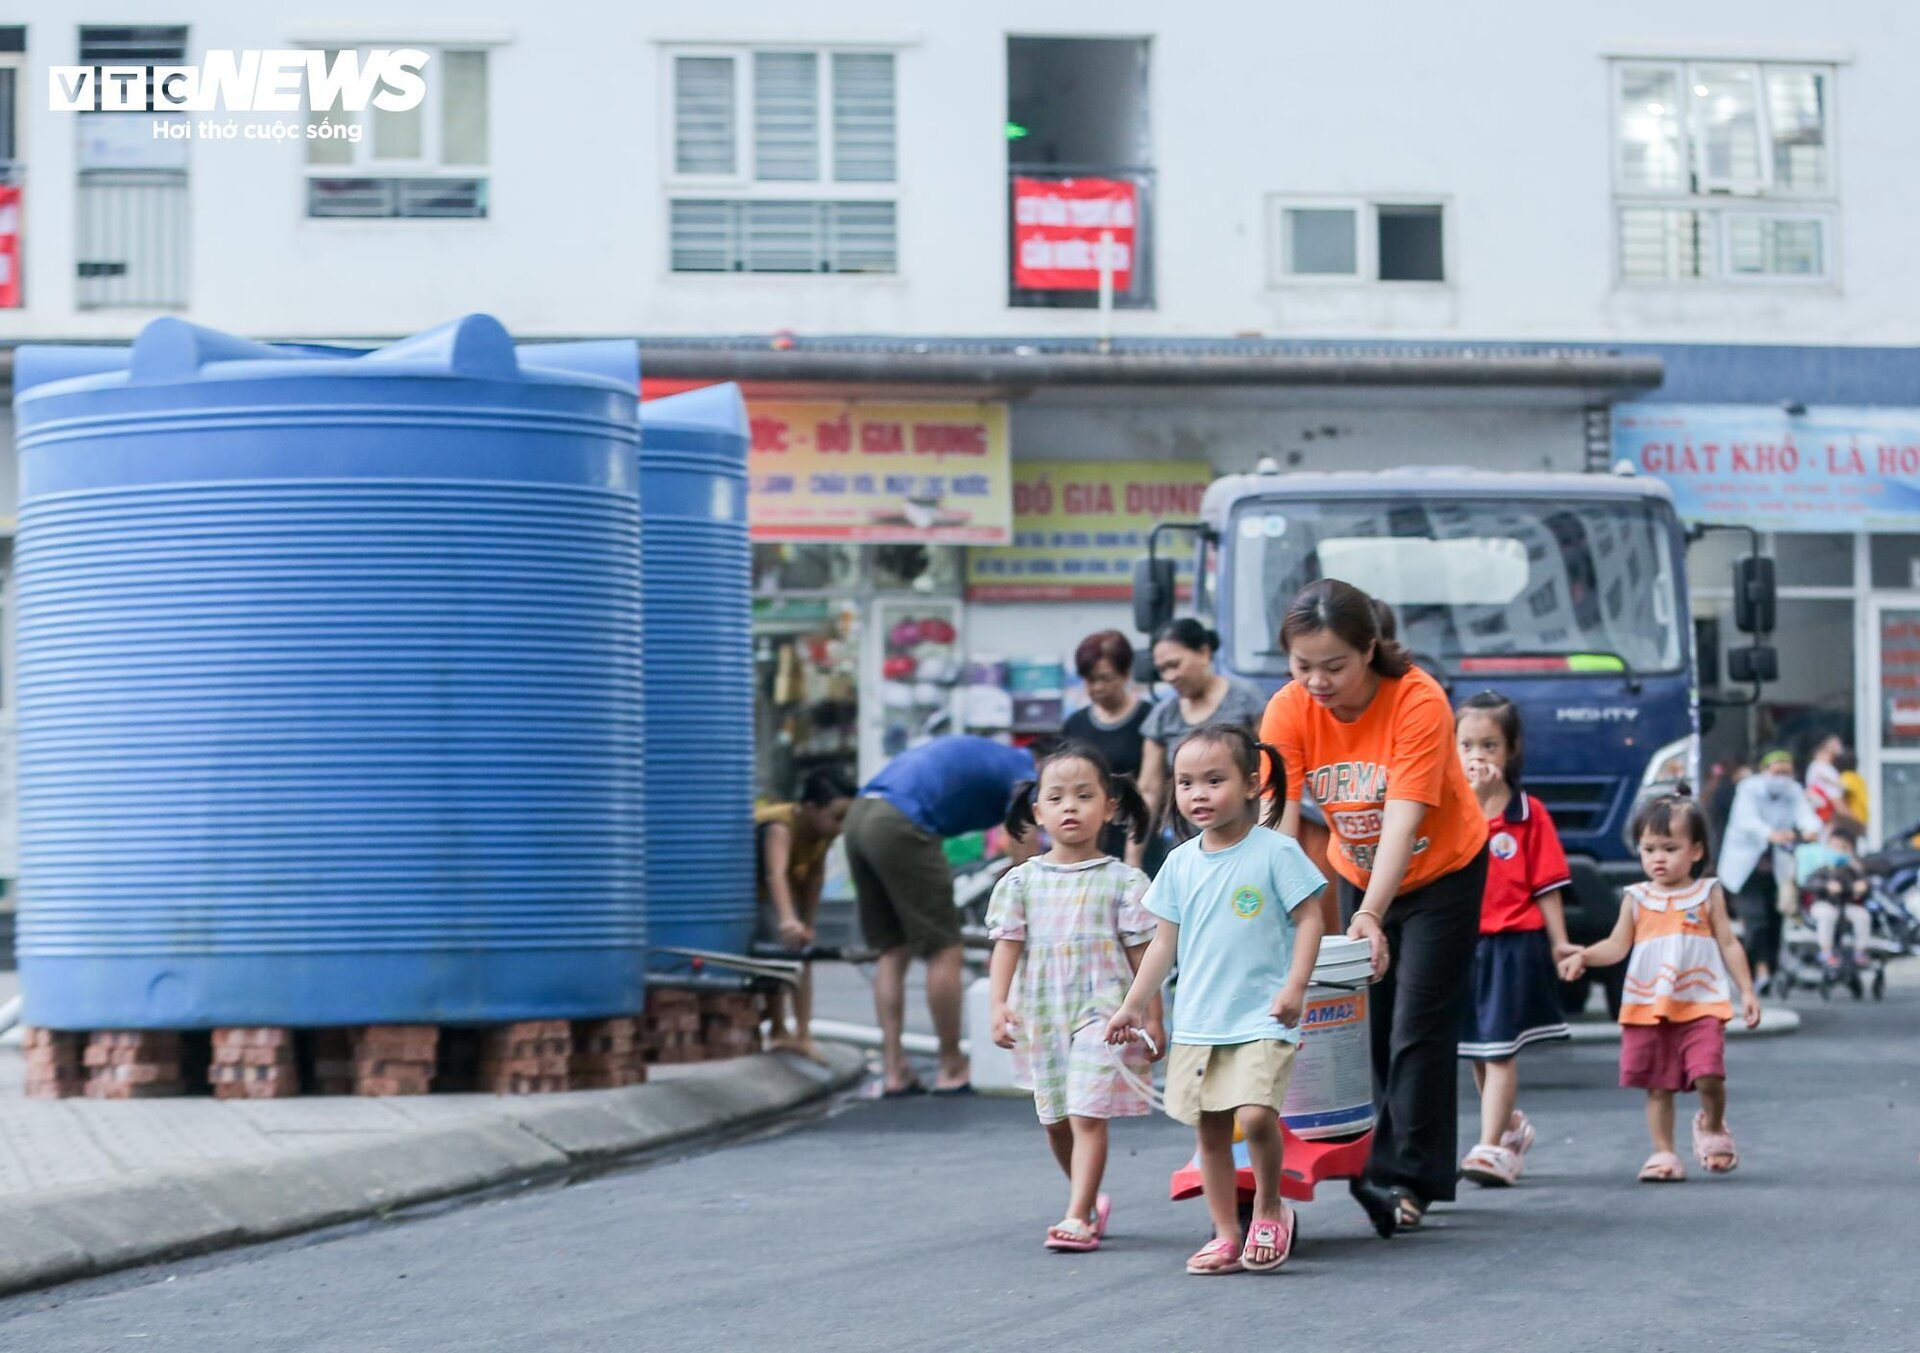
{"x":254,"y":1063}
{"x":132,"y":1064}
{"x":606,"y":1054}
{"x":395,"y":1059}
{"x":54,"y":1068}
{"x":528,"y":1058}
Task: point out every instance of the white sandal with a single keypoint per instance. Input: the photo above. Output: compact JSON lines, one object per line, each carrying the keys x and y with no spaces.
{"x":1492,"y":1166}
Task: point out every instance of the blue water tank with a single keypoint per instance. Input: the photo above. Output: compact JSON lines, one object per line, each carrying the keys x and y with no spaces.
{"x":329,"y":686}
{"x":696,"y":574}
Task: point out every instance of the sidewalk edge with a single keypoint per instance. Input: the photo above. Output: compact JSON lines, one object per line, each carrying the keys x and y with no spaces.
{"x":87,"y":1230}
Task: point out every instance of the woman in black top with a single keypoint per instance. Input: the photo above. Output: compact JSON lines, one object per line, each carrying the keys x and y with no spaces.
{"x":1111,"y":724}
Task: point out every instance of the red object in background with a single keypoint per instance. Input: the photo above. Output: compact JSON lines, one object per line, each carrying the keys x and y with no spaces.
{"x":934,"y":630}
{"x":898,"y":668}
{"x":1057,"y":225}
{"x":9,"y":247}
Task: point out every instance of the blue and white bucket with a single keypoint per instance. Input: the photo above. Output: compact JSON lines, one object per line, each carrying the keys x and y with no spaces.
{"x":1331,"y":1093}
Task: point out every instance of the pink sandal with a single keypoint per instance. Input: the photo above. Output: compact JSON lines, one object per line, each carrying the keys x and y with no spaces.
{"x":1074,"y":1235}
{"x":1218,"y":1255}
{"x":1266,"y":1234}
{"x":1707,"y":1146}
{"x":1662,"y":1167}
{"x":1102,"y":1213}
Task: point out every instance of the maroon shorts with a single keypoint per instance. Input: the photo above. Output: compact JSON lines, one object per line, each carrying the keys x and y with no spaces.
{"x":1672,"y":1056}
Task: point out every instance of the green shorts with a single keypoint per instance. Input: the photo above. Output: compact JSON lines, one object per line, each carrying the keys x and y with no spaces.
{"x":902,"y":880}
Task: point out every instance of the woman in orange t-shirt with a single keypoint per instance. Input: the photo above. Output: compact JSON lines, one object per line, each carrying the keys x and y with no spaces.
{"x":1370,"y":737}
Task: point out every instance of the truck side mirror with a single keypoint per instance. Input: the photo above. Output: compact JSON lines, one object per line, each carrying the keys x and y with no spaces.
{"x":1153,"y":594}
{"x":1753,"y":595}
{"x":1753,"y":666}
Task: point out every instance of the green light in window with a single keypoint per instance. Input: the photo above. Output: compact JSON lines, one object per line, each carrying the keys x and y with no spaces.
{"x":1015,"y":131}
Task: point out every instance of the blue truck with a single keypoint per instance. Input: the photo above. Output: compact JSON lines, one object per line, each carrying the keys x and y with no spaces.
{"x":1566,"y":592}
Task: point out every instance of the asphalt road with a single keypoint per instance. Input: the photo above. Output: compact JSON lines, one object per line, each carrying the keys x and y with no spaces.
{"x":916,"y":1226}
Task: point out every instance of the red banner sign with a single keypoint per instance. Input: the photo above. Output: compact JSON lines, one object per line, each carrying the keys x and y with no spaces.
{"x":1057,"y":226}
{"x":9,"y":247}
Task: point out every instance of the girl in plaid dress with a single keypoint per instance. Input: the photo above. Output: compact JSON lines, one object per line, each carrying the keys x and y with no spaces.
{"x":1068,"y":932}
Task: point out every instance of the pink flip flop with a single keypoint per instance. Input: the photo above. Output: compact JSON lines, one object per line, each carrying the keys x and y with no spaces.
{"x":1266,"y":1234}
{"x":1072,"y":1235}
{"x":1102,"y":1213}
{"x":1218,"y":1255}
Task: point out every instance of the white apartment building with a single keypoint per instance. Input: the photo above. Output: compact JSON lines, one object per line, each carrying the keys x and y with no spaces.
{"x":1355,"y":237}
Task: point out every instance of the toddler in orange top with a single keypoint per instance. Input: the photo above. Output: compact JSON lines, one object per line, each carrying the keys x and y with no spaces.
{"x":1681,"y":952}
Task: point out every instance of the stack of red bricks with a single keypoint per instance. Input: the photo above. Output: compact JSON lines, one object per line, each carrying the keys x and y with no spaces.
{"x":54,"y":1069}
{"x":395,"y":1059}
{"x":254,"y":1063}
{"x":606,"y":1054}
{"x":670,"y":1030}
{"x":729,"y":1024}
{"x":132,"y":1064}
{"x":528,"y":1058}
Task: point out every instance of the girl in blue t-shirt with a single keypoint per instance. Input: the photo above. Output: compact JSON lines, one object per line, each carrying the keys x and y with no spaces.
{"x":1229,"y":905}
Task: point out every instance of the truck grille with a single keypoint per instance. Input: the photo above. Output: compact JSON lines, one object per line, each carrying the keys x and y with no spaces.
{"x":1579,"y":805}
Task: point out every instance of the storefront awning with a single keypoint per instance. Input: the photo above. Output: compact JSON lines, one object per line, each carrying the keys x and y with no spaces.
{"x":982,"y":366}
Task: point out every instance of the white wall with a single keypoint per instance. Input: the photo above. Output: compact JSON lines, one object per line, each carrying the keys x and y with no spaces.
{"x":1497,"y":108}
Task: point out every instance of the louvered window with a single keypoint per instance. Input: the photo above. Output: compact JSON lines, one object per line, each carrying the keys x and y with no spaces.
{"x":703,"y":115}
{"x":1723,"y":171}
{"x":782,"y":235}
{"x":783,"y":161}
{"x":862,"y":118}
{"x":420,"y":163}
{"x":786,"y":117}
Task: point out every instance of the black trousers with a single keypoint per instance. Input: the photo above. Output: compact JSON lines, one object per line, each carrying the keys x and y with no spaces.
{"x":1757,"y":904}
{"x":1417,"y":1011}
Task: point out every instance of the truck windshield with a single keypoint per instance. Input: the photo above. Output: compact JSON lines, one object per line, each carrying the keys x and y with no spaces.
{"x":1570,"y":586}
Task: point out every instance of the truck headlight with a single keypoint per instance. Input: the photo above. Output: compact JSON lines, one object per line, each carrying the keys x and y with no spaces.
{"x":1671,"y":765}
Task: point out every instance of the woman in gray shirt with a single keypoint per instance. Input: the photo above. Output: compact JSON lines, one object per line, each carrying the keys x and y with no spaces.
{"x":1183,"y":655}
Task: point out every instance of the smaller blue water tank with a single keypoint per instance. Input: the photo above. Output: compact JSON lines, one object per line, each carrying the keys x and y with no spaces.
{"x":696,"y":575}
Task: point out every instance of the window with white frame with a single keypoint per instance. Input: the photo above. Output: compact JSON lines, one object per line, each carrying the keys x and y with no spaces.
{"x":782,"y":160}
{"x":1723,"y":171}
{"x":429,"y":161}
{"x":1357,"y":240}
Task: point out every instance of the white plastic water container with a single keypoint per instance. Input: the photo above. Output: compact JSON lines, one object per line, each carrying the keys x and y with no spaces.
{"x":1331,"y":1093}
{"x":992,"y":1066}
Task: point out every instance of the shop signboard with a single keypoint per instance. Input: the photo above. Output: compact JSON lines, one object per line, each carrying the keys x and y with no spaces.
{"x":1900,"y":677}
{"x":9,"y":246}
{"x":1078,"y":526}
{"x":881,"y":473}
{"x":1057,"y":229}
{"x":1827,"y":469}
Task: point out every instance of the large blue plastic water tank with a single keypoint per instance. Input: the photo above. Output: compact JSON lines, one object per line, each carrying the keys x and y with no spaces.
{"x":329,"y":687}
{"x":696,"y":574}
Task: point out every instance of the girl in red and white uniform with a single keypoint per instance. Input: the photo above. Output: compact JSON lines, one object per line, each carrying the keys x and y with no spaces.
{"x":1523,"y":932}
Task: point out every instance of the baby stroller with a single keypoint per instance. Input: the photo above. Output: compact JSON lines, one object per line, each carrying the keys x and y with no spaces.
{"x":1803,"y":965}
{"x":1895,"y":871}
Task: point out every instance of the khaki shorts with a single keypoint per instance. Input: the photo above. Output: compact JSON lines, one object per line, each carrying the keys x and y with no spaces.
{"x":902,"y":880}
{"x":1206,"y":1078}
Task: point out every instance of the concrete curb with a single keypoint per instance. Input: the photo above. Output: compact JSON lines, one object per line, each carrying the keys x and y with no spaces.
{"x":64,"y":1234}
